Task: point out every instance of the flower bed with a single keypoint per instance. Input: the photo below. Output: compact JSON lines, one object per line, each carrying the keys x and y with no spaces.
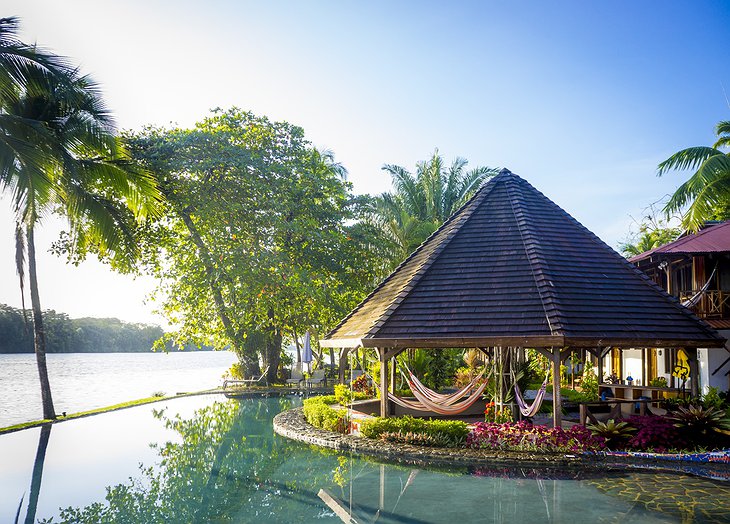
{"x":524,"y":436}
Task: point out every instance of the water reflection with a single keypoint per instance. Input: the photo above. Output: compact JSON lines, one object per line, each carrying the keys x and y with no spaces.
{"x":225,"y":465}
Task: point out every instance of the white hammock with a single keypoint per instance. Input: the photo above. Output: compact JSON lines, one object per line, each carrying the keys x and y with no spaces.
{"x":532,"y":409}
{"x":455,"y":408}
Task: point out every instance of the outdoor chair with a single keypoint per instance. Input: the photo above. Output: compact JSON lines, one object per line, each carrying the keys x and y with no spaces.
{"x":247,"y":381}
{"x":296,"y":375}
{"x":317,"y":378}
{"x":356,"y":374}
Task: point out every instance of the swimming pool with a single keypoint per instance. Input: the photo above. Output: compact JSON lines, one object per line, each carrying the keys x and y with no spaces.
{"x":211,"y":459}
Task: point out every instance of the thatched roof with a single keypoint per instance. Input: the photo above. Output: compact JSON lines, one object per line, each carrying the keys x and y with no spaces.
{"x":511,"y":268}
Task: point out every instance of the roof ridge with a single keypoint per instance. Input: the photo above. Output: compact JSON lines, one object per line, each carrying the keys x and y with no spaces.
{"x":483,"y":190}
{"x":538,"y":264}
{"x":456,"y":220}
{"x":612,"y":252}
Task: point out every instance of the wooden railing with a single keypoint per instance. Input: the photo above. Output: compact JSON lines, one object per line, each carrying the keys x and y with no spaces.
{"x":712,"y":304}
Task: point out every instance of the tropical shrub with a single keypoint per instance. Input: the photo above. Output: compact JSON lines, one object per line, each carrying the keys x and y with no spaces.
{"x":320,"y":414}
{"x":655,"y":433}
{"x":444,"y":433}
{"x":362,"y":385}
{"x":712,"y":399}
{"x":589,"y":384}
{"x":345,"y":397}
{"x":701,"y":426}
{"x":615,"y":434}
{"x":658,"y":382}
{"x":524,"y":436}
{"x":498,"y":416}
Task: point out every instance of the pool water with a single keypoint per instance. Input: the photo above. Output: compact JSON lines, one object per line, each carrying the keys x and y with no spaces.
{"x":212,"y":459}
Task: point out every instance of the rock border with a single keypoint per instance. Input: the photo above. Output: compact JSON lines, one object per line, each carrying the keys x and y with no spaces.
{"x":292,"y":424}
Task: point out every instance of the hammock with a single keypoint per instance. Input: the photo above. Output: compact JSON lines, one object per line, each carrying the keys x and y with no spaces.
{"x":423,"y":403}
{"x":438,"y":398}
{"x":532,"y":409}
{"x":454,"y":409}
{"x":693,"y":300}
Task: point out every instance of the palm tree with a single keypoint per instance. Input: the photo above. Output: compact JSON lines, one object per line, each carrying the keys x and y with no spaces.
{"x":708,"y":190}
{"x":79,"y":170}
{"x":421,"y":203}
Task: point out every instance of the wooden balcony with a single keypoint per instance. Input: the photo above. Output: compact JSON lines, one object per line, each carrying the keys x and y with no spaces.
{"x":712,"y":303}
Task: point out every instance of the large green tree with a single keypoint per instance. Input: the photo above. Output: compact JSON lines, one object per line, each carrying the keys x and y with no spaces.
{"x":420,"y":203}
{"x":257,"y":244}
{"x":77,"y":169}
{"x":706,"y":194}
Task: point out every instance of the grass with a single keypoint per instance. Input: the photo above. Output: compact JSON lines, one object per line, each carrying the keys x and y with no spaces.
{"x":156,"y":397}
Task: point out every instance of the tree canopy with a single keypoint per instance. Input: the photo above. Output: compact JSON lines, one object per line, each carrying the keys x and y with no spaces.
{"x":420,"y":203}
{"x":259,"y":241}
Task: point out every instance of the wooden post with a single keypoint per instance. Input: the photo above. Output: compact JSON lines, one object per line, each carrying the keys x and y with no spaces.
{"x":383,"y":383}
{"x":557,"y":415}
{"x":393,"y":372}
{"x":600,"y":356}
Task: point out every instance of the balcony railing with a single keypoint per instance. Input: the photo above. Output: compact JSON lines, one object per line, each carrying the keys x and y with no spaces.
{"x":712,"y":304}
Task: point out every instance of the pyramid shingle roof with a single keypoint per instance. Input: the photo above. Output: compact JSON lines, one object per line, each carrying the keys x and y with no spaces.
{"x":511,"y":268}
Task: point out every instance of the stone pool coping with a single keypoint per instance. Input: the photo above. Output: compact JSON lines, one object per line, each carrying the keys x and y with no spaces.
{"x":292,"y":424}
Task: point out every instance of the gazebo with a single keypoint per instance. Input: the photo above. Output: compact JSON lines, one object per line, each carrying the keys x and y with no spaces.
{"x":512,"y":269}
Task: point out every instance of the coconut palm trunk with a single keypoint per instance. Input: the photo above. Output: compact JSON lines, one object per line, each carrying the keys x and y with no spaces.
{"x":39,"y":335}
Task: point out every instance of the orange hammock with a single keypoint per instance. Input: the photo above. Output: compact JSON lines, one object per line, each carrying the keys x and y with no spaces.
{"x":437,"y":398}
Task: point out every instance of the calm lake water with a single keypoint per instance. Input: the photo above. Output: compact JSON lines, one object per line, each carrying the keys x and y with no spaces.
{"x":82,"y":381}
{"x":212,"y":459}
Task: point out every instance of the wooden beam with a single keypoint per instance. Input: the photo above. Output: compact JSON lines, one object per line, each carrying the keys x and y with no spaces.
{"x":384,"y":411}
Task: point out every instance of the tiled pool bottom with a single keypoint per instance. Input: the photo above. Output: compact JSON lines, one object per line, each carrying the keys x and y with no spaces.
{"x":219,"y":461}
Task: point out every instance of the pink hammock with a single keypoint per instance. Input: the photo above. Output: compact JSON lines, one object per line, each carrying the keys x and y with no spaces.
{"x":423,"y":403}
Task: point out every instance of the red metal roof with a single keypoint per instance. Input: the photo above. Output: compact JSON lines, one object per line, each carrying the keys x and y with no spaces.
{"x":714,"y":239}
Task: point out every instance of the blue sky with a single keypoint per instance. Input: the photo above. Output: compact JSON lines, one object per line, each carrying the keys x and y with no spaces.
{"x":582,"y":99}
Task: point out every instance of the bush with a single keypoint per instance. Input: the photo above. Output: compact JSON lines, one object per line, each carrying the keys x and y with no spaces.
{"x":442,"y":433}
{"x":344,"y":396}
{"x":589,"y":384}
{"x":320,"y":414}
{"x":655,"y":433}
{"x":700,"y":426}
{"x":615,"y":434}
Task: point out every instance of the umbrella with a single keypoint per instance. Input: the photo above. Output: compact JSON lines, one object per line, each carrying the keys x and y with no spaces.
{"x":307,"y":353}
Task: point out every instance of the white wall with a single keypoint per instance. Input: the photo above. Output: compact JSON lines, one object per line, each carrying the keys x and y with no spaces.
{"x":632,"y":365}
{"x":709,"y":360}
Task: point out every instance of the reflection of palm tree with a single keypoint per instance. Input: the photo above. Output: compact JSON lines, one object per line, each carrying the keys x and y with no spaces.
{"x":35,"y":484}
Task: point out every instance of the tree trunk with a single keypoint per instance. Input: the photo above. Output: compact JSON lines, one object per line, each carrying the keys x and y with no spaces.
{"x":272,"y":355}
{"x":39,"y":336}
{"x":247,"y":359}
{"x":35,"y":483}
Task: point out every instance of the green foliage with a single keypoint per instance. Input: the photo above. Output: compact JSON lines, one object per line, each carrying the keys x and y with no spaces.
{"x":658,"y":382}
{"x":260,"y":238}
{"x":712,"y":399}
{"x":420,"y":204}
{"x":75,"y":335}
{"x":706,"y":194}
{"x":442,"y":433}
{"x":615,"y":433}
{"x":653,"y":231}
{"x":701,"y":425}
{"x":344,"y":396}
{"x":589,"y":384}
{"x":320,"y":414}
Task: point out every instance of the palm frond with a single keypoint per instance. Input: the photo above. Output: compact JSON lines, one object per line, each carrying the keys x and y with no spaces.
{"x":690,"y":158}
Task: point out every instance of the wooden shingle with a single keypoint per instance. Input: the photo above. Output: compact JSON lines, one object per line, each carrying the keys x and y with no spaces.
{"x":512,"y":268}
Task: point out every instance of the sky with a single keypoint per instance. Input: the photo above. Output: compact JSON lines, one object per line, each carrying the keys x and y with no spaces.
{"x":582,"y":99}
